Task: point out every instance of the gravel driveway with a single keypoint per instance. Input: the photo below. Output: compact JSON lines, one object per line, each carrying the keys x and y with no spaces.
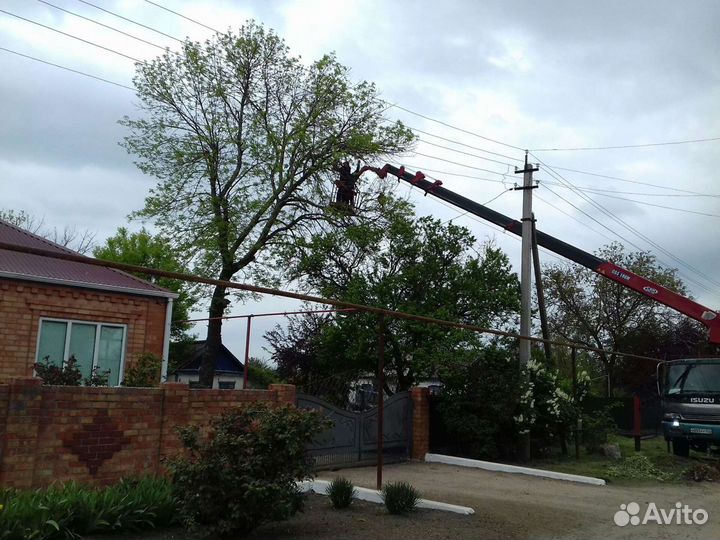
{"x":518,"y":506}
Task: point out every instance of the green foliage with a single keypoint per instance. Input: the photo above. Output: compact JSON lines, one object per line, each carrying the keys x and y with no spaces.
{"x":71,"y":510}
{"x":596,"y":428}
{"x":588,"y":308}
{"x":242,"y":138}
{"x":261,"y":374}
{"x":416,"y":265}
{"x":244,"y":473}
{"x":637,"y":467}
{"x":480,"y":394}
{"x":68,"y":374}
{"x":143,"y":249}
{"x":341,"y":492}
{"x":399,"y":497}
{"x":145,"y":371}
{"x":97,"y":377}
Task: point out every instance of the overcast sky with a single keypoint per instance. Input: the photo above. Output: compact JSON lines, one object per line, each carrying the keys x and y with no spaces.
{"x":560,"y":74}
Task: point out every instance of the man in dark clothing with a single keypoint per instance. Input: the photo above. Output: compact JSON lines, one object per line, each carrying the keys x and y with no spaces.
{"x":346,"y":185}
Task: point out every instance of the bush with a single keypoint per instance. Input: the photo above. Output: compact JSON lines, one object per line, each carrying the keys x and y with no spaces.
{"x":243,"y":473}
{"x":72,"y":510}
{"x":400,"y":497}
{"x":144,"y":373}
{"x":596,"y":428}
{"x":341,"y":492}
{"x":66,"y":374}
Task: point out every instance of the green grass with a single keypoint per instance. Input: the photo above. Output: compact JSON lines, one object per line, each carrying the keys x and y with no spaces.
{"x":597,"y":465}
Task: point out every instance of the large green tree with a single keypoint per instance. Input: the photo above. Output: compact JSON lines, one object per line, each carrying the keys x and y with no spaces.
{"x":415,"y":265}
{"x":243,"y":139}
{"x":152,"y":251}
{"x":591,"y":309}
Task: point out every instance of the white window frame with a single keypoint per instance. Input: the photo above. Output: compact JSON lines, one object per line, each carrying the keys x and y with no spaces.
{"x":98,"y":326}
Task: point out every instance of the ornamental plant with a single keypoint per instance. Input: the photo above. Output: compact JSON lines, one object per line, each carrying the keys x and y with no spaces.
{"x":400,"y":497}
{"x":341,"y":492}
{"x":242,"y":471}
{"x":145,"y":371}
{"x":67,"y":374}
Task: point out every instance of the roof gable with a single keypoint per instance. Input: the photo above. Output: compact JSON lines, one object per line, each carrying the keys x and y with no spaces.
{"x":25,"y":266}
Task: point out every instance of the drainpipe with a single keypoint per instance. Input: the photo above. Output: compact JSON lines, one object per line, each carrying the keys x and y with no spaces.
{"x":166,"y":344}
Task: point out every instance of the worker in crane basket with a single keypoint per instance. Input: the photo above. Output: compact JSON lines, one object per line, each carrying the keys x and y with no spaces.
{"x":346,"y":184}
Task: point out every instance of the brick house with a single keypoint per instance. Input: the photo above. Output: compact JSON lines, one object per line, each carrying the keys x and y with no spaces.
{"x":55,"y":308}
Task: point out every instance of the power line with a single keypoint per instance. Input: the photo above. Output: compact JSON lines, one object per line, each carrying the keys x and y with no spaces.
{"x":459,"y":164}
{"x":655,"y":205}
{"x":628,"y":227}
{"x":631,"y":181}
{"x":484,"y":204}
{"x":465,"y":153}
{"x":463,"y":144}
{"x":183,"y":16}
{"x":131,"y":21}
{"x":572,"y":217}
{"x":70,"y":35}
{"x":67,"y":69}
{"x":102,"y":24}
{"x":646,"y":145}
{"x":452,"y":127}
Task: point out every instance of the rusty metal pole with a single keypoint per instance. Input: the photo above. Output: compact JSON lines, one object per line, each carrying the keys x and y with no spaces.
{"x":247,"y":353}
{"x":637,"y":422}
{"x":380,"y":395}
{"x":578,"y":419}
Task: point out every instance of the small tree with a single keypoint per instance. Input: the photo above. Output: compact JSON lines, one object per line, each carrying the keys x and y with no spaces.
{"x":243,"y":474}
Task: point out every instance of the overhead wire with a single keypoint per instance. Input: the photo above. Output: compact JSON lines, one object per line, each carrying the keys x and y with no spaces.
{"x":127,"y":34}
{"x":183,"y":16}
{"x":131,"y":21}
{"x":630,"y":228}
{"x":622,"y":146}
{"x":88,"y":42}
{"x":67,"y":68}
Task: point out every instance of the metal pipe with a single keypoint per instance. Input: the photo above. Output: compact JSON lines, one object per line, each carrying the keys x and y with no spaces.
{"x":246,"y":369}
{"x":298,"y":296}
{"x":381,"y":395}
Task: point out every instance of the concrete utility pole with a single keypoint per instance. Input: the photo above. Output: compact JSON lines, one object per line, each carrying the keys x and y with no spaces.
{"x":526,"y":258}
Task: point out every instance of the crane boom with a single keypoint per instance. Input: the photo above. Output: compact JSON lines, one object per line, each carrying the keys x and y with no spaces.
{"x":625,"y":277}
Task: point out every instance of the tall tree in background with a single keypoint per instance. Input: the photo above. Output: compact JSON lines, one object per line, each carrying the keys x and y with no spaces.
{"x":591,"y":309}
{"x":243,"y":139}
{"x":415,"y":265}
{"x":143,"y":249}
{"x":79,"y":240}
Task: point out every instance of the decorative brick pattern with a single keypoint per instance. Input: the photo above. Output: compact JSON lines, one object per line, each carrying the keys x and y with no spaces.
{"x":98,"y":435}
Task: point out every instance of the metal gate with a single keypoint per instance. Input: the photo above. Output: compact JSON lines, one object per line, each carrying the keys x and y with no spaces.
{"x":353,"y":436}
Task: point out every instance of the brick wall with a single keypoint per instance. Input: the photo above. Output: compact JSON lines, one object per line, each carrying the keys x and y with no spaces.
{"x":22,"y":304}
{"x":99,"y":435}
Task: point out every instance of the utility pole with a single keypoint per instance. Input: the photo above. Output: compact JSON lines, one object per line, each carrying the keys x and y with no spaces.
{"x":526,"y":257}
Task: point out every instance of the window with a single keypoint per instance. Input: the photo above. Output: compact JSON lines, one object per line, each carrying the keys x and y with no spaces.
{"x":226,"y":385}
{"x":92,"y":345}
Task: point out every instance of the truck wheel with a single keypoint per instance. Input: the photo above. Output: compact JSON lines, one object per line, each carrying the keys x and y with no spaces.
{"x":681,"y":447}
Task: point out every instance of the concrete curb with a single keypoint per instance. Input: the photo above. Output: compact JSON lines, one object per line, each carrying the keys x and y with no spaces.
{"x":513,"y":469}
{"x":373,"y":496}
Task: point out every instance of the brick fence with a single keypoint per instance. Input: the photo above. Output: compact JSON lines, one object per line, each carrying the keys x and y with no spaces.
{"x":99,"y":435}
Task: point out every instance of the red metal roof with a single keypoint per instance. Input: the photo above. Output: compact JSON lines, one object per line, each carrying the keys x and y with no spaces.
{"x":75,"y":274}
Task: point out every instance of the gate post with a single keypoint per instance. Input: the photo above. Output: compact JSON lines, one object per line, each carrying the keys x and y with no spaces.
{"x":420,"y":422}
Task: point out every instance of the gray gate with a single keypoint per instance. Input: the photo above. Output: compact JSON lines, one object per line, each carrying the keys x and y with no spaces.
{"x":353,"y":437}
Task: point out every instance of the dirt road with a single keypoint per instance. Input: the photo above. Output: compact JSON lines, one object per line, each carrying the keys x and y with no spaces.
{"x":517,"y":506}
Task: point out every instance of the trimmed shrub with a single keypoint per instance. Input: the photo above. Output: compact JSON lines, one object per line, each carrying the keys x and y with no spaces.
{"x":71,"y":510}
{"x":400,"y":497}
{"x":341,"y":492}
{"x":243,"y":472}
{"x":67,"y":374}
{"x":144,"y":373}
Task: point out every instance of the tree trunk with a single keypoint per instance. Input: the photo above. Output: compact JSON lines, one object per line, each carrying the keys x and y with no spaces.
{"x":214,"y":337}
